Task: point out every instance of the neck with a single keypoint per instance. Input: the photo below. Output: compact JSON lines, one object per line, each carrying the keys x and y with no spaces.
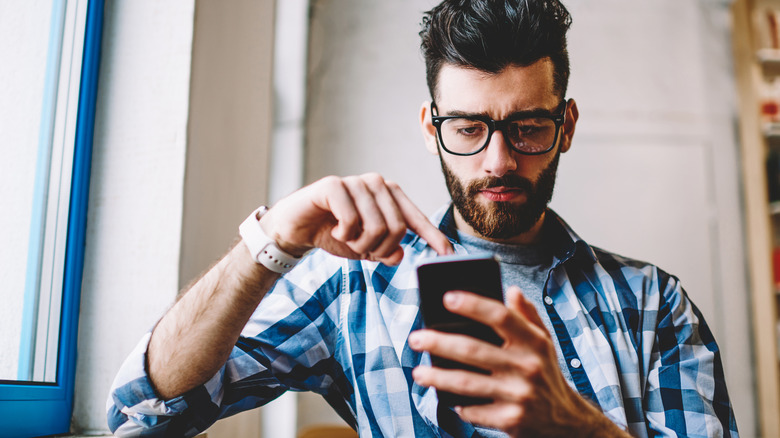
{"x":529,"y":237}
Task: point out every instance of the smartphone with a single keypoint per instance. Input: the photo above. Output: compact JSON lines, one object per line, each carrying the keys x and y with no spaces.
{"x":479,"y":274}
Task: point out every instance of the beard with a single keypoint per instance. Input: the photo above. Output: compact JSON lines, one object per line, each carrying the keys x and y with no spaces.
{"x":502,"y":220}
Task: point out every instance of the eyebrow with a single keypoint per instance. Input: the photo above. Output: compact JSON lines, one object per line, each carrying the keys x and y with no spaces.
{"x":536,"y":112}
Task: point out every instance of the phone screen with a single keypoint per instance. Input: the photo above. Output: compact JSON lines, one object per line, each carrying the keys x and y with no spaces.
{"x":479,"y":274}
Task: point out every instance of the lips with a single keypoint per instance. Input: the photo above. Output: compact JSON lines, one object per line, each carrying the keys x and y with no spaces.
{"x":502,"y":194}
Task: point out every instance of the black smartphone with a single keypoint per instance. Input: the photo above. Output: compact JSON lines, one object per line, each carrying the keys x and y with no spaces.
{"x":479,"y":274}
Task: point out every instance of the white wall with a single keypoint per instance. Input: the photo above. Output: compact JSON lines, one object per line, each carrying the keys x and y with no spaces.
{"x":229,"y":128}
{"x":180,"y":155}
{"x":131,"y":262}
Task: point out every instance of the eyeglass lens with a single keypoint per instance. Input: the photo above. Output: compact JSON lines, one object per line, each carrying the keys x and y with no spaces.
{"x":531,"y":135}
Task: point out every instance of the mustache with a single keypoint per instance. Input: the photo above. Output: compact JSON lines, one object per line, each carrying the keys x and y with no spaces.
{"x":511,"y":181}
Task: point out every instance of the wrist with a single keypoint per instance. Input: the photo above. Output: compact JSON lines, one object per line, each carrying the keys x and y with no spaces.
{"x":267,"y":223}
{"x":263,"y":248}
{"x":597,"y":424}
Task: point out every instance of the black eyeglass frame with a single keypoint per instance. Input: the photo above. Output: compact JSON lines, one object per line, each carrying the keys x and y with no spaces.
{"x":496,"y":125}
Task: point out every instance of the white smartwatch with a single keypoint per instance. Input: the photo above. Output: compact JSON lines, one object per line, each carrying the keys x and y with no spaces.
{"x":263,"y":249}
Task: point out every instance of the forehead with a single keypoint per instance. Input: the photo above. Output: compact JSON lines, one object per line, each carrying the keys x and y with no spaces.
{"x":514,"y":88}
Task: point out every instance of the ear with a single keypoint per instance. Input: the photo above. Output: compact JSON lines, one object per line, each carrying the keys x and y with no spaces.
{"x":428,"y":130}
{"x":572,"y":114}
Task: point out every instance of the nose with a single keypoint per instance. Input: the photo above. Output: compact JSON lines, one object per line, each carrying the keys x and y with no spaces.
{"x":499,"y":157}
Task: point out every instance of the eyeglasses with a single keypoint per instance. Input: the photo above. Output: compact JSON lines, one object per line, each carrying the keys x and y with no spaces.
{"x":528,"y":134}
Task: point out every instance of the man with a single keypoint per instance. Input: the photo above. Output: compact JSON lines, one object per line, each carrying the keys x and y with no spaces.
{"x":594,"y":345}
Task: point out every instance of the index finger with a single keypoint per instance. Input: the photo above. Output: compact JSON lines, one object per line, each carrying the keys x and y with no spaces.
{"x":418,"y":223}
{"x":506,"y":322}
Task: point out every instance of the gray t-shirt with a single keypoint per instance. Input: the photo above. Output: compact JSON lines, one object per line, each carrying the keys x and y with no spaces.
{"x":525,"y":266}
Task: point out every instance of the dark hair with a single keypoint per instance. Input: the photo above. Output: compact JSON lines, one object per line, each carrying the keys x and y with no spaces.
{"x":489,"y":35}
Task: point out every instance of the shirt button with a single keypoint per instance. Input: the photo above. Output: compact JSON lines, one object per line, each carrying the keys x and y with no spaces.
{"x":575,"y":363}
{"x":548,"y":300}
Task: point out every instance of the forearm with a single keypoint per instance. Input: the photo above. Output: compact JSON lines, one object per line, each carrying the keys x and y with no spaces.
{"x":195,"y":337}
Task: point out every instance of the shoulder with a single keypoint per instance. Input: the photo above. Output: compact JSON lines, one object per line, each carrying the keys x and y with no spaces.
{"x":651,"y":287}
{"x":632,"y":269}
{"x":638,"y":282}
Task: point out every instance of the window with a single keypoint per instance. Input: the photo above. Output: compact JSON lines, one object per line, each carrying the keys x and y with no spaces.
{"x":50,"y":51}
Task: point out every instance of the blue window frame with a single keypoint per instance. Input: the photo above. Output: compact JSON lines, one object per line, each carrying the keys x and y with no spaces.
{"x":33,"y":406}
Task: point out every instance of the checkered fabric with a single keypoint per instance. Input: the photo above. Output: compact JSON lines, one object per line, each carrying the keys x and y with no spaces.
{"x":633,"y":341}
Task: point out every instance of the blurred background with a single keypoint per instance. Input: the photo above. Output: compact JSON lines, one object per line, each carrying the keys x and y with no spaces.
{"x":207,"y":109}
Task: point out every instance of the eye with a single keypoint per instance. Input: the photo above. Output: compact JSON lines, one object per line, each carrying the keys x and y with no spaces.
{"x":532,"y":127}
{"x":527,"y":129}
{"x":471,"y":130}
{"x":466,"y":127}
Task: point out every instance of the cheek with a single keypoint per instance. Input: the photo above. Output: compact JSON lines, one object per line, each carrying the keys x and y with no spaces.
{"x":463,"y":168}
{"x":531,"y":166}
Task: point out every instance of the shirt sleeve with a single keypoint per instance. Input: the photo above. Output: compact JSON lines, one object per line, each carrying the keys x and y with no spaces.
{"x":288,"y":343}
{"x":686,"y":390}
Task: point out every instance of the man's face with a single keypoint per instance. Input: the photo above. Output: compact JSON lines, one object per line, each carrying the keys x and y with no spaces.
{"x":499,"y":193}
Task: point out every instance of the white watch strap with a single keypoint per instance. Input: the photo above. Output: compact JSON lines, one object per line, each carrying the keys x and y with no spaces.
{"x":262,"y":248}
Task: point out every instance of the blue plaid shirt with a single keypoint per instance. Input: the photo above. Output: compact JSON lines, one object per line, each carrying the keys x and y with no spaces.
{"x":632,"y":340}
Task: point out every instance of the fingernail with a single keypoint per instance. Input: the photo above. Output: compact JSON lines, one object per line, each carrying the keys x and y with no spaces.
{"x":451,"y":299}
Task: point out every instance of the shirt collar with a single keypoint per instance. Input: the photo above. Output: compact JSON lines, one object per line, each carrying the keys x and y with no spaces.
{"x":566,"y":244}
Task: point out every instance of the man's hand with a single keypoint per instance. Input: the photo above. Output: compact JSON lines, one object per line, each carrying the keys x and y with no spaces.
{"x":359,"y":217}
{"x":530,"y":395}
